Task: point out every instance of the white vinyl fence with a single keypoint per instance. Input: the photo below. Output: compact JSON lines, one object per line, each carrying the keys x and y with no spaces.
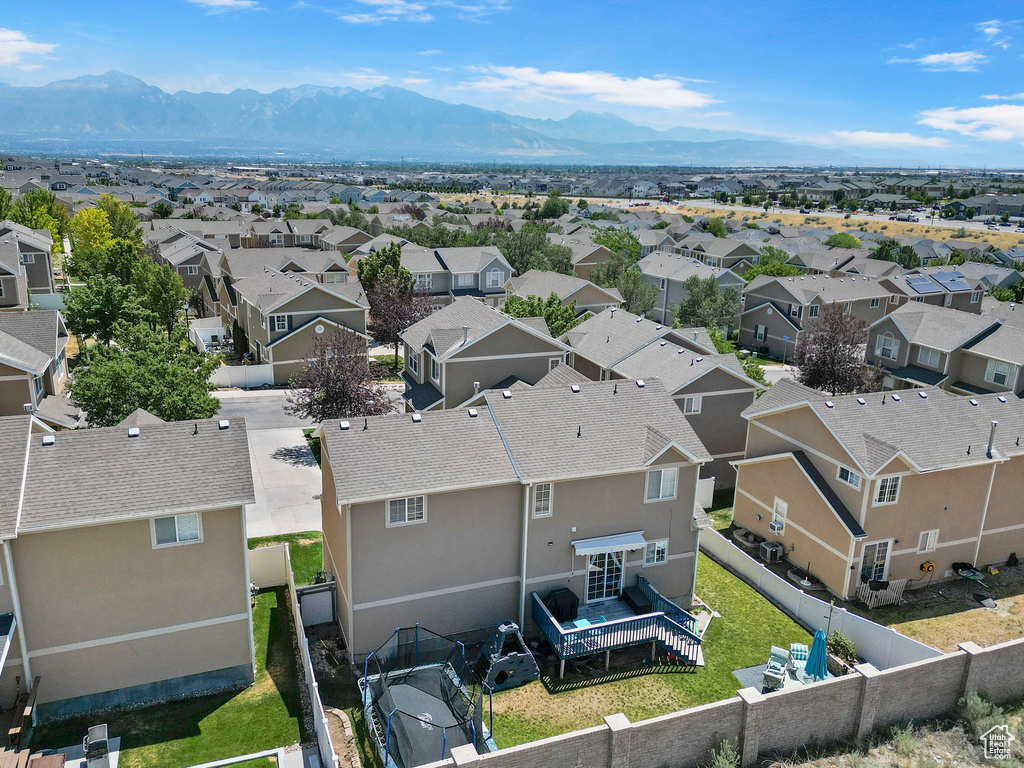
{"x":706,"y":492}
{"x":879,"y":645}
{"x":273,"y":565}
{"x":244,"y":376}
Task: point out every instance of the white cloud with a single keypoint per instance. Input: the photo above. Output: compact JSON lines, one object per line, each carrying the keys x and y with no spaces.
{"x":993,"y":30}
{"x":388,"y":10}
{"x":366,"y":76}
{"x":1003,"y":122}
{"x":431,"y":52}
{"x":1007,"y":97}
{"x":889,"y":140}
{"x":960,"y":61}
{"x":415,"y":80}
{"x":15,"y":46}
{"x":418,"y":11}
{"x":605,"y":87}
{"x":223,"y":6}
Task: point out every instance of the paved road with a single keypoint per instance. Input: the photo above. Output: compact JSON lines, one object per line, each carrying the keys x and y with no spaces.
{"x":774,"y":373}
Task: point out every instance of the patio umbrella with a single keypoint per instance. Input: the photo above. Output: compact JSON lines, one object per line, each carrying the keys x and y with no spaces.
{"x":817,"y":660}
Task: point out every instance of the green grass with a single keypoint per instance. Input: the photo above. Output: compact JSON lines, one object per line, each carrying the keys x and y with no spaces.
{"x":741,"y":637}
{"x":305,"y":549}
{"x":341,"y":692}
{"x":185,"y":732}
{"x":313,"y":443}
{"x":259,"y":762}
{"x":721,"y":509}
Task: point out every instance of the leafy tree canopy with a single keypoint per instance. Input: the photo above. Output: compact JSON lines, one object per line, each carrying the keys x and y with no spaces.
{"x":843,"y":240}
{"x":558,"y":317}
{"x":707,"y":304}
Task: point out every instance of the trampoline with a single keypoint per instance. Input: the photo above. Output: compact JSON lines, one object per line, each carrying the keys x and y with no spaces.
{"x":422,"y":699}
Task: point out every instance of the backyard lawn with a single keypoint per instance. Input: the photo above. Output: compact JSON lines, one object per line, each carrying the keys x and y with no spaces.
{"x":305,"y":549}
{"x":186,"y":732}
{"x":313,"y":443}
{"x":741,"y":637}
{"x":721,"y":509}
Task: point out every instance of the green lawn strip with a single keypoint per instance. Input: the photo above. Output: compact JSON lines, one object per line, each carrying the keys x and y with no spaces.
{"x":341,"y":692}
{"x":259,"y":762}
{"x":313,"y":443}
{"x":306,"y":550}
{"x":184,"y":732}
{"x":721,"y":510}
{"x":741,"y":637}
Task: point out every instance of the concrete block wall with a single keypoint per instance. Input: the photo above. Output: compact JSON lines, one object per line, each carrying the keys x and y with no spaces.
{"x":775,"y":723}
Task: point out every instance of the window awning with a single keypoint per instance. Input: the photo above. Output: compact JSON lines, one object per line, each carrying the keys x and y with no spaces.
{"x":616,"y":543}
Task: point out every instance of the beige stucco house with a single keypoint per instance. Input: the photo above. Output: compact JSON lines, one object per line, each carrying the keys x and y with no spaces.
{"x":25,"y":264}
{"x":587,"y":297}
{"x":33,"y":368}
{"x":453,"y":518}
{"x":129,"y":585}
{"x":889,"y":488}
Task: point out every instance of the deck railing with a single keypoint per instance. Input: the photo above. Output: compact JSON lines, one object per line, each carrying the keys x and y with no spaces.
{"x":660,"y":603}
{"x":891,"y":595}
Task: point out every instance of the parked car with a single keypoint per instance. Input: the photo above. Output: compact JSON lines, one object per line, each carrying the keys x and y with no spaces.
{"x":804,"y":210}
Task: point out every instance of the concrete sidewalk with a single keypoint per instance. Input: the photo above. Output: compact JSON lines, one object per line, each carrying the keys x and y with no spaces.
{"x":286,"y":477}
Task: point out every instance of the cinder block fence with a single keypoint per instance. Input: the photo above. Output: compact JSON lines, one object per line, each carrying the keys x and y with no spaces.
{"x":776,"y":723}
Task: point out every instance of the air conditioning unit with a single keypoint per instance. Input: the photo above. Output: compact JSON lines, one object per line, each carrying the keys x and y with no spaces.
{"x":776,"y":526}
{"x":771,"y":552}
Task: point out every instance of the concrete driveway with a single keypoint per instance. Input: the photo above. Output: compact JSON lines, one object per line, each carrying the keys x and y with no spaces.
{"x":285,"y":474}
{"x":775,"y":373}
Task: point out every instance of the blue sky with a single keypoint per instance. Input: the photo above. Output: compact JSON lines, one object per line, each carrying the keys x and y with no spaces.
{"x":938,"y":81}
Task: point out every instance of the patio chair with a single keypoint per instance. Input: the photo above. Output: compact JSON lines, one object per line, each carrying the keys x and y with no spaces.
{"x":774,"y":675}
{"x":798,"y":655}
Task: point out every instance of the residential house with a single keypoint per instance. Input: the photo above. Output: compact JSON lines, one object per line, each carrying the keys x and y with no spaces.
{"x":945,"y":287}
{"x":668,"y":271}
{"x":343,"y":239}
{"x":125,"y":570}
{"x":586,"y":254}
{"x":723,"y":252}
{"x":881,"y":492}
{"x":776,"y":309}
{"x":25,"y":263}
{"x":588,"y":297}
{"x":34,"y":369}
{"x":466,"y":347}
{"x":587,"y":487}
{"x":654,"y":240}
{"x":293,"y":233}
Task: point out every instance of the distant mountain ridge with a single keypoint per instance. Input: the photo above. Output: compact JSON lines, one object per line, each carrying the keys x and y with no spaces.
{"x":384,"y":122}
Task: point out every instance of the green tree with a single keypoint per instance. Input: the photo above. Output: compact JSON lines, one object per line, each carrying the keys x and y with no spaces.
{"x":707,"y":304}
{"x":558,"y":317}
{"x":40,"y":209}
{"x":843,"y":240}
{"x":890,"y":250}
{"x":166,"y":376}
{"x":608,"y":273}
{"x":123,"y":221}
{"x":102,"y":308}
{"x":162,"y":210}
{"x":725,"y":346}
{"x":165,"y":296}
{"x":773,"y":262}
{"x":6,"y":202}
{"x":554,"y":206}
{"x":582,"y":204}
{"x":89,"y":229}
{"x":528,"y":247}
{"x":716,"y":227}
{"x":618,"y":240}
{"x":638,"y":295}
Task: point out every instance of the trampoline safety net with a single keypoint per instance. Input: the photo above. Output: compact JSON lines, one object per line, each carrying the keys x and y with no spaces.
{"x":424,"y":696}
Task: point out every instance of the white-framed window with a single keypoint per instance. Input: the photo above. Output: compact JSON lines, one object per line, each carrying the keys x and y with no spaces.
{"x":59,"y":367}
{"x":464,"y":280}
{"x":435,"y":369}
{"x":847,"y":307}
{"x":661,"y":484}
{"x":948,"y":301}
{"x":918,"y":299}
{"x":28,"y":258}
{"x":812,"y":310}
{"x":405,"y":511}
{"x":928,"y":541}
{"x":794,"y":310}
{"x":1,"y":289}
{"x":553,"y":363}
{"x":37,"y":386}
{"x":849,"y":477}
{"x":975,"y":297}
{"x":279,"y":322}
{"x":424,"y":282}
{"x":1000,"y":373}
{"x":928,"y":356}
{"x":303,"y":238}
{"x":414,"y":364}
{"x":542,"y":496}
{"x":874,"y":563}
{"x":664,"y":282}
{"x":335,"y":277}
{"x":894,"y":299}
{"x":173,"y":530}
{"x":887,"y":346}
{"x":780,"y":510}
{"x":494,"y":278}
{"x":887,"y":491}
{"x":656,"y":552}
{"x":760,"y":332}
{"x":692,"y":405}
{"x":875,"y":303}
{"x":277,"y":238}
{"x":191,"y":269}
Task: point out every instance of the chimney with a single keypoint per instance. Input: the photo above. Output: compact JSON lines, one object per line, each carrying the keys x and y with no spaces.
{"x":465,"y":334}
{"x":991,"y":438}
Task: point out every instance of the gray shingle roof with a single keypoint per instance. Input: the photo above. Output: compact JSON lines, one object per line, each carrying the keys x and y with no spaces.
{"x":609,"y":336}
{"x":444,"y":328}
{"x":167,"y":468}
{"x":38,"y":329}
{"x":20,"y":355}
{"x":14,"y":437}
{"x":940,"y":328}
{"x":935,"y":432}
{"x":830,"y":289}
{"x":469,"y":259}
{"x":536,"y":282}
{"x":675,"y":366}
{"x":1006,"y":343}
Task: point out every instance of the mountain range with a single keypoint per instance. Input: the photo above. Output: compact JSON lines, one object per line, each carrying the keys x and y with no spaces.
{"x":118,"y":112}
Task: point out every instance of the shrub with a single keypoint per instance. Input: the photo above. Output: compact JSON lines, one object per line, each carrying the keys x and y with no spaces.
{"x":978,"y":714}
{"x":904,"y":740}
{"x":842,"y":647}
{"x":725,"y":755}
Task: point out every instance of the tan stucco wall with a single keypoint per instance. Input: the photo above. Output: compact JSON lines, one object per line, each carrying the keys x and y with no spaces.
{"x":507,"y":341}
{"x":14,"y":393}
{"x":459,"y":376}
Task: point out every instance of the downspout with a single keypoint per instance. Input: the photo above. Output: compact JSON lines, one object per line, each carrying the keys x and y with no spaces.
{"x":525,"y":548}
{"x":22,"y":644}
{"x":984,"y":514}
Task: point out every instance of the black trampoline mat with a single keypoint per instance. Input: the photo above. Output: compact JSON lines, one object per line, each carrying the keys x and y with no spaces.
{"x":418,"y":703}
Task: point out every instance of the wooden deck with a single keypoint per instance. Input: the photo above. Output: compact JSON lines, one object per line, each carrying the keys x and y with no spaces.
{"x":610,"y":610}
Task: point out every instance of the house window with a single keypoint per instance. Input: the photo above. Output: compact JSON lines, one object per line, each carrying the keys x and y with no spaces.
{"x":279,"y":322}
{"x":875,"y":303}
{"x":277,"y":239}
{"x":663,"y":282}
{"x":875,"y":562}
{"x":335,"y":277}
{"x":542,"y":500}
{"x":949,"y":300}
{"x":28,"y":258}
{"x":37,"y":386}
{"x":928,"y":541}
{"x":849,"y":477}
{"x":58,"y":365}
{"x":303,"y":238}
{"x":494,"y":278}
{"x":887,"y":346}
{"x":794,"y":310}
{"x":404,"y":511}
{"x":997,"y":372}
{"x":691,"y":405}
{"x":975,"y":297}
{"x":894,"y":299}
{"x":1,"y":289}
{"x":553,"y":363}
{"x":918,"y":299}
{"x":177,"y":529}
{"x":812,"y":311}
{"x":656,"y":552}
{"x":780,"y":509}
{"x":760,"y":332}
{"x":464,"y":281}
{"x":192,"y":269}
{"x":414,"y":365}
{"x":888,"y":491}
{"x":424,"y":282}
{"x":435,"y":370}
{"x":928,"y":356}
{"x":847,"y":307}
{"x":661,"y":484}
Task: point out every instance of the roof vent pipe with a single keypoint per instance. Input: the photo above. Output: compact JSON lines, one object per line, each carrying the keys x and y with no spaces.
{"x":991,"y":438}
{"x":465,"y":334}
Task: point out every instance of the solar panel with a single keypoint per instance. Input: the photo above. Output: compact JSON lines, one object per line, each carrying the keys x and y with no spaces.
{"x":921,"y":284}
{"x":951,"y":281}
